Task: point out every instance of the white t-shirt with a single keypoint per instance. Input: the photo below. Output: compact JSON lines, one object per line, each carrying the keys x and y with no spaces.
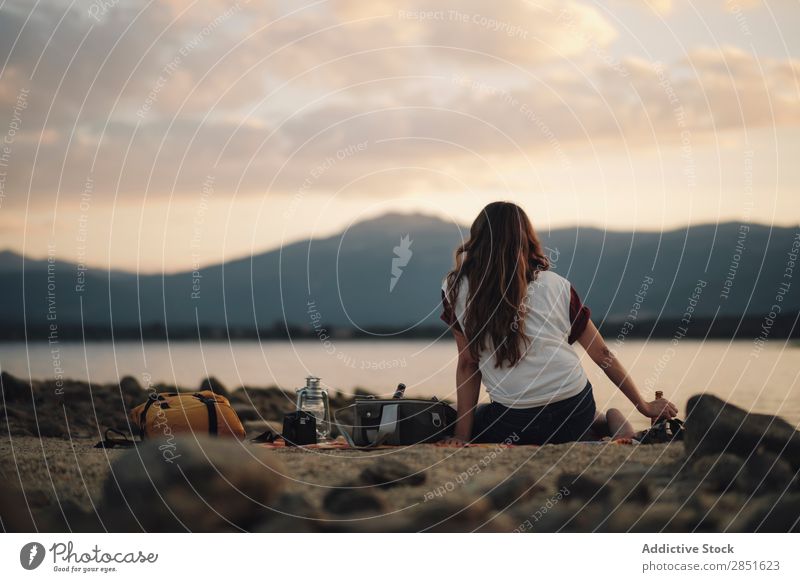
{"x":550,"y":369}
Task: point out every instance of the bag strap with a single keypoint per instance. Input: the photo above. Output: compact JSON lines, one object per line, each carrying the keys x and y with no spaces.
{"x":344,"y":433}
{"x":663,"y":431}
{"x":268,"y":436}
{"x":388,"y":424}
{"x":387,"y":427}
{"x":143,"y":416}
{"x":211,"y":406}
{"x":109,"y":442}
{"x":676,"y":427}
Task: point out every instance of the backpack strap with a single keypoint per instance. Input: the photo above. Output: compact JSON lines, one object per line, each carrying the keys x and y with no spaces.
{"x":110,"y":442}
{"x":143,"y":416}
{"x":268,"y":436}
{"x":211,"y":406}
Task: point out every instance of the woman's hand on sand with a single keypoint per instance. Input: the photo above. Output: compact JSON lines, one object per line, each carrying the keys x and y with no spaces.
{"x":451,"y":442}
{"x":661,"y":408}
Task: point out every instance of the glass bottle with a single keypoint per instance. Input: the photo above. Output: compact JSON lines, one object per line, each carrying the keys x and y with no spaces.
{"x":659,"y":396}
{"x":313,"y":399}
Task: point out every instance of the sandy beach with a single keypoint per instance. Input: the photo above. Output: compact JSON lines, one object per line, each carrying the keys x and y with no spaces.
{"x":60,"y":481}
{"x":56,"y":472}
{"x":583,"y":487}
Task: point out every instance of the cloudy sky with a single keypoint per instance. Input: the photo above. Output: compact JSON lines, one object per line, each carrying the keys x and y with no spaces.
{"x":166,"y":134}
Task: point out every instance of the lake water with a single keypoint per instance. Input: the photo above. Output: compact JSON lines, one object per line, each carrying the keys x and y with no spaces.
{"x":762,"y":381}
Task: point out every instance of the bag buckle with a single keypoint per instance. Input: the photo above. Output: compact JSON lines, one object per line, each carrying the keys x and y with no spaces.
{"x":436,"y":419}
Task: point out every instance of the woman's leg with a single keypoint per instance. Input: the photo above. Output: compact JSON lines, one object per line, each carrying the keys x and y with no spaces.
{"x":618,"y":425}
{"x":561,"y":422}
{"x":599,"y":426}
{"x":574,"y":417}
{"x":494,"y":423}
{"x":484,"y":423}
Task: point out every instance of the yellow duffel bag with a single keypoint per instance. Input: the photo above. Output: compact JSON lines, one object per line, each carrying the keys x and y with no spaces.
{"x":202,"y":413}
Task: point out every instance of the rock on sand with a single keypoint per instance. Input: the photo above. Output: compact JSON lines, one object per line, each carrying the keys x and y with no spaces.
{"x":200,"y":485}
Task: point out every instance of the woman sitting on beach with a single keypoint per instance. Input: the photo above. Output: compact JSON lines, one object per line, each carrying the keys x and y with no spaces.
{"x":514,"y":321}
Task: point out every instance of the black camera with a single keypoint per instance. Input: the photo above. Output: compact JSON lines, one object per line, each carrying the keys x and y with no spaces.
{"x":299,"y":428}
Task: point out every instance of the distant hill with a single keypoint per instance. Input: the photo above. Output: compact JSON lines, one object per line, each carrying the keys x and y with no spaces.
{"x":344,"y":280}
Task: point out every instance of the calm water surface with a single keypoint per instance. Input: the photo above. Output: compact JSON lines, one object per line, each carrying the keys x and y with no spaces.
{"x":765,"y":381}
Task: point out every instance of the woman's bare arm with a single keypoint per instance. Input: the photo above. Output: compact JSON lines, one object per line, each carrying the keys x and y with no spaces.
{"x":468,"y":387}
{"x":594,"y":344}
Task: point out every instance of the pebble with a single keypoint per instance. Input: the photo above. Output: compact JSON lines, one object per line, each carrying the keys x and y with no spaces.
{"x":386,"y":472}
{"x":351,"y":499}
{"x":713,"y":426}
{"x":203,"y":485}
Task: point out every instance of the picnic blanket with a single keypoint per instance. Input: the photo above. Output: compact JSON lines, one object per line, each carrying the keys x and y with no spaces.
{"x":341,"y":444}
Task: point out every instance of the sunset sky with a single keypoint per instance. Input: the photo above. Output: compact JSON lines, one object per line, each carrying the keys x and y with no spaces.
{"x":175,"y":133}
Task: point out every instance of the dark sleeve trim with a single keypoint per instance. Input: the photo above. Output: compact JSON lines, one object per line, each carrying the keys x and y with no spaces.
{"x":448,"y":314}
{"x":579,"y":316}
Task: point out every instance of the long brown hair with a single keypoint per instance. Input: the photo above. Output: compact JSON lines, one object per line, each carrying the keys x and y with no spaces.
{"x":501,"y":258}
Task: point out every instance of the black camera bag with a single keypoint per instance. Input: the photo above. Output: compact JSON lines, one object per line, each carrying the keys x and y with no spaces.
{"x":299,"y":429}
{"x":398,"y":422}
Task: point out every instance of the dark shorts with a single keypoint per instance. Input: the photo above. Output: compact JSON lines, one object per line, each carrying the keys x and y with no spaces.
{"x":560,"y":422}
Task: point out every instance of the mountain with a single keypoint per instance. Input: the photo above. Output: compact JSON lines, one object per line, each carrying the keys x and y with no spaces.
{"x":345,"y":280}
